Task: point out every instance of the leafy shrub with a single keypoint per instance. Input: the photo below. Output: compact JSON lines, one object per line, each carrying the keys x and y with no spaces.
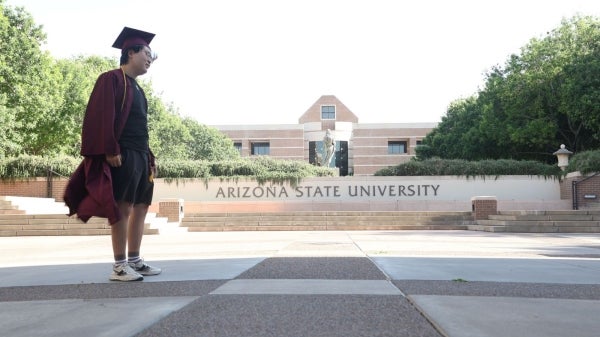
{"x":261,"y":168}
{"x":585,"y":162}
{"x":459,"y":167}
{"x":26,"y":166}
{"x":175,"y":169}
{"x":268,"y":169}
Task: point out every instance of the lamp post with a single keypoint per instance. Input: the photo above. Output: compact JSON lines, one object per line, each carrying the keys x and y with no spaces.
{"x":563,"y":157}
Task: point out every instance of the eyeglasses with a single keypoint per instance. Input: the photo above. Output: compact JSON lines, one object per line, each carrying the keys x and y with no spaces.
{"x":151,"y":55}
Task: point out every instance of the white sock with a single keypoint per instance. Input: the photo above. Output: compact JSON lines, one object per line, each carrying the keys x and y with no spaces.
{"x":134,"y":259}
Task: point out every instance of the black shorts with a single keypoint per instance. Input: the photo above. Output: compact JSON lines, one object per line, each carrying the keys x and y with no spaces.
{"x":131,"y":181}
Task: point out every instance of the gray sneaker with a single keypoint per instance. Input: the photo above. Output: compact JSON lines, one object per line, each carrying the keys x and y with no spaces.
{"x":144,"y":269}
{"x":123,"y":272}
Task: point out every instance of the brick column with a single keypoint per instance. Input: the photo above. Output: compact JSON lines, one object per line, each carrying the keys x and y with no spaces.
{"x":484,"y":206}
{"x":172,"y":209}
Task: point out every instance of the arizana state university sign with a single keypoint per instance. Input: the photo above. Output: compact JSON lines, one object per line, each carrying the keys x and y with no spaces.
{"x":327,"y":191}
{"x":362,"y":188}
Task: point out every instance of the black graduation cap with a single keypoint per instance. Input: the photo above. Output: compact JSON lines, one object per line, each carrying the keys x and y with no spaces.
{"x":130,"y":37}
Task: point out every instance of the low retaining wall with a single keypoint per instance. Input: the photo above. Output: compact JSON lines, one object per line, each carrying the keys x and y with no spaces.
{"x":363,"y":193}
{"x":457,"y":205}
{"x":368,"y":193}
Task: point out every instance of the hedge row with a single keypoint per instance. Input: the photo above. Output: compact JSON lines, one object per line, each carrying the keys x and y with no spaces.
{"x":458,"y":167}
{"x":262,"y":168}
{"x":27,"y":166}
{"x":269,"y":169}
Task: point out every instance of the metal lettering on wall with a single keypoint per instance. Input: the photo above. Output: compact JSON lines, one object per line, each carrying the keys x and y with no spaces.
{"x":327,"y":191}
{"x":369,"y":189}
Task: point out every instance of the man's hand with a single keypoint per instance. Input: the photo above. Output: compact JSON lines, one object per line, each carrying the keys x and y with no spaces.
{"x":153,"y":173}
{"x":114,"y":161}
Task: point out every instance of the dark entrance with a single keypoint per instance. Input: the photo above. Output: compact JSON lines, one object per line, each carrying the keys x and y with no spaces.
{"x":316,"y":153}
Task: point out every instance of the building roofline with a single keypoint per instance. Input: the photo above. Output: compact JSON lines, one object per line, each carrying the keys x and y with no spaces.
{"x":230,"y":127}
{"x":424,"y":125}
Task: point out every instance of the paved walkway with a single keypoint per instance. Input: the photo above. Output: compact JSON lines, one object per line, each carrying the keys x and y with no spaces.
{"x":368,"y":283}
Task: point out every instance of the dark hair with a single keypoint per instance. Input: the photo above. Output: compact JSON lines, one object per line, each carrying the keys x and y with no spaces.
{"x":125,"y":53}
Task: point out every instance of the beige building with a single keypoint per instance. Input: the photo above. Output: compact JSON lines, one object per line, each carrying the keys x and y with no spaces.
{"x":329,"y":134}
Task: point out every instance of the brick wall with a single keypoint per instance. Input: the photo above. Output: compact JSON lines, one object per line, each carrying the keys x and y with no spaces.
{"x":483,"y":207}
{"x":172,"y":209}
{"x":35,"y":187}
{"x":566,"y":189}
{"x":586,"y":186}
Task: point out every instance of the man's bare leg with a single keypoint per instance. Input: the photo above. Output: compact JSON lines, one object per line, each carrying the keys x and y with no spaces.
{"x":134,"y":241}
{"x":118,"y":232}
{"x":121,"y":269}
{"x":137,"y":221}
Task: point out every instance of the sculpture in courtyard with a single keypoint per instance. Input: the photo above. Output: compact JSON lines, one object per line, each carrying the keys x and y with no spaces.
{"x":329,"y":147}
{"x":318,"y":157}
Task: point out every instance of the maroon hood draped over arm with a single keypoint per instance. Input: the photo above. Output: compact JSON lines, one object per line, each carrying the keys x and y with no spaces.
{"x":89,"y":191}
{"x":104,"y":121}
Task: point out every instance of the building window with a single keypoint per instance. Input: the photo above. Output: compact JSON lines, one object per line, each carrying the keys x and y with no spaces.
{"x":238,"y":146}
{"x":396,"y":147}
{"x":328,"y":112}
{"x":419,"y":142}
{"x":260,"y":149}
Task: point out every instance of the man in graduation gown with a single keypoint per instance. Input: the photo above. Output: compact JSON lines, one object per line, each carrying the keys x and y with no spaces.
{"x":115,"y":178}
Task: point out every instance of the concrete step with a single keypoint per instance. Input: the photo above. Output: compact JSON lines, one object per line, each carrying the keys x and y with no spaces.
{"x":461,"y":214}
{"x":7,"y":207}
{"x":12,"y":210}
{"x":30,"y":216}
{"x":31,"y":205}
{"x":306,"y":221}
{"x":569,"y":221}
{"x":162,"y":225}
{"x":550,"y":213}
{"x":55,"y":225}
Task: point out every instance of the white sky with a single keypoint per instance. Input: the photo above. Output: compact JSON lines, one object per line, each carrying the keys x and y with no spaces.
{"x":268,"y":61}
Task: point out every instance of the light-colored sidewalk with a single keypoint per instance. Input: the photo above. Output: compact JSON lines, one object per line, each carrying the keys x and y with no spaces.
{"x":367,"y":283}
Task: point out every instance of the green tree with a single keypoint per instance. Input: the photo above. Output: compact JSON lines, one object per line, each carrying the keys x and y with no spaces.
{"x":29,"y":81}
{"x":543,"y":88}
{"x":458,"y":135}
{"x":10,"y":140}
{"x":175,"y":138}
{"x":208,"y":143}
{"x":168,"y":134}
{"x":546,"y":96}
{"x":79,"y":75}
{"x":580,"y":83}
{"x":43,"y":101}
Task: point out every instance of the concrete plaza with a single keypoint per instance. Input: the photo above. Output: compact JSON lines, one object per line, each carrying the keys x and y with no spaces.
{"x":358,"y":283}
